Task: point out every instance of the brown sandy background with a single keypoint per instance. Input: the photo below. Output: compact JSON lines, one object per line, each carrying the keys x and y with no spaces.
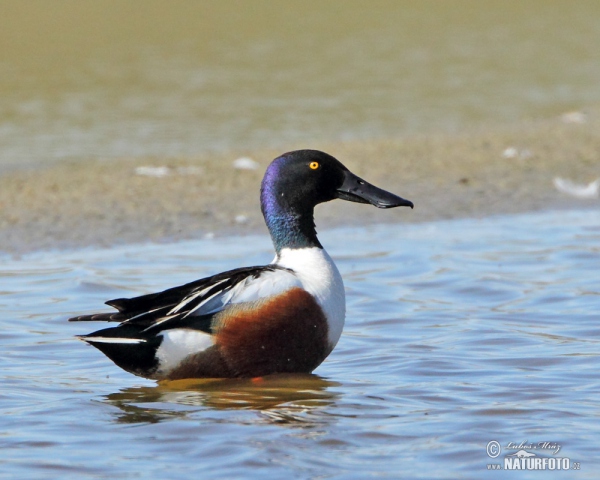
{"x":446,"y":176}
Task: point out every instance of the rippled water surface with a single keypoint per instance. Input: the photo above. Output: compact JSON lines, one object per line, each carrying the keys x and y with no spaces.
{"x":458,"y":333}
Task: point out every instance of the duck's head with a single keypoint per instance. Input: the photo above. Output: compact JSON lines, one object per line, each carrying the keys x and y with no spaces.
{"x":297,"y":181}
{"x":304,"y":178}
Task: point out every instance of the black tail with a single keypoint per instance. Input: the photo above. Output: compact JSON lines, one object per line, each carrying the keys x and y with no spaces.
{"x":127,"y":347}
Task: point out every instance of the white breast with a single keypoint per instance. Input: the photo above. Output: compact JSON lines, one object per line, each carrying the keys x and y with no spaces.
{"x":321,"y":278}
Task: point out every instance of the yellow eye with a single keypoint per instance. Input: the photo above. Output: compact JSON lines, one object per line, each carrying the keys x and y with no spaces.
{"x":314,"y":165}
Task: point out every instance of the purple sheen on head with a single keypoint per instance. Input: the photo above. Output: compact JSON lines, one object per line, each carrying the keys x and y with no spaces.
{"x":268,"y":200}
{"x":289,"y":228}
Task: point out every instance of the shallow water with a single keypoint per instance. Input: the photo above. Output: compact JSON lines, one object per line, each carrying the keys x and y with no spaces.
{"x":107,"y":79}
{"x":458,"y":333}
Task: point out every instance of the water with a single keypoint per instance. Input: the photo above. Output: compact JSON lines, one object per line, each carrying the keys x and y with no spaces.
{"x":147,"y":78}
{"x":458,"y":333}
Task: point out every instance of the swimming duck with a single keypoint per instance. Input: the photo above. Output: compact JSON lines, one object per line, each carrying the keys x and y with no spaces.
{"x":285,"y":317}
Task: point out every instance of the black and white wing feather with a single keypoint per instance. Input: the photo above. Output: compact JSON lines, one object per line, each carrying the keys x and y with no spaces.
{"x":192,"y":305}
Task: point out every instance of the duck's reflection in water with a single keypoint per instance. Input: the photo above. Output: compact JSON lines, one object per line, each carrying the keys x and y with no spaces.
{"x":280,"y":399}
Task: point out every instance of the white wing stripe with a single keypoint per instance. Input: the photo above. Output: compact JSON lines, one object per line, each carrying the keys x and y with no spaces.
{"x":192,"y":297}
{"x":112,"y":340}
{"x":158,"y":322}
{"x":250,"y":289}
{"x":204,"y":302}
{"x":139,"y":315}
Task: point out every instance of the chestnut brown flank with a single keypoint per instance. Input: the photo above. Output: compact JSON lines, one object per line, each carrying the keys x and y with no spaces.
{"x":206,"y":364}
{"x":285,"y":334}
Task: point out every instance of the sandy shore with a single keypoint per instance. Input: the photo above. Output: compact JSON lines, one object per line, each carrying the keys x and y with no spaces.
{"x":476,"y":173}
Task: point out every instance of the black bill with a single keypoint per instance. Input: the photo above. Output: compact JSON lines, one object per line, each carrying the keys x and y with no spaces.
{"x":355,"y":189}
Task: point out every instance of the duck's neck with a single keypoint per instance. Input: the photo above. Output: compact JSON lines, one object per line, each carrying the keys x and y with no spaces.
{"x":291,"y":226}
{"x":292,"y":231}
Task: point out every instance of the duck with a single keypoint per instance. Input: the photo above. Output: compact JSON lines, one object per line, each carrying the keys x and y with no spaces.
{"x":249,"y":322}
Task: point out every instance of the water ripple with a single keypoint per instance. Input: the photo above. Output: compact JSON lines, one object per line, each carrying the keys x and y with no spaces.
{"x":487,"y":332}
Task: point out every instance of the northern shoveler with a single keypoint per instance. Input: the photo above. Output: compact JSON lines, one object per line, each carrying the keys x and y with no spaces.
{"x":284,"y":317}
